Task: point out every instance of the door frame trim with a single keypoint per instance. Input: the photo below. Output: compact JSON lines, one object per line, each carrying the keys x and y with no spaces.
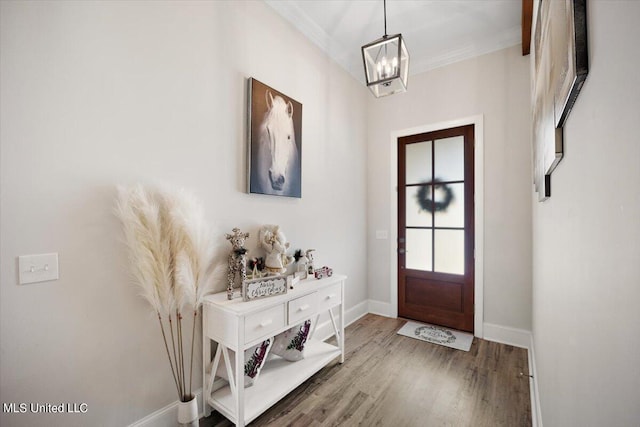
{"x":478,"y":122}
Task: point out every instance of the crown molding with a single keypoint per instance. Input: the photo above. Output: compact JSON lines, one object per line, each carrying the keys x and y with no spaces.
{"x":499,"y":41}
{"x":292,"y":13}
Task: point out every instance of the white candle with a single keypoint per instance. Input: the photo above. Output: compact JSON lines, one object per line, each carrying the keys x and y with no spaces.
{"x":384,"y":67}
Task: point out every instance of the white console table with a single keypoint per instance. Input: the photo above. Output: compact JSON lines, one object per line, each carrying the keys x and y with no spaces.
{"x":237,"y":325}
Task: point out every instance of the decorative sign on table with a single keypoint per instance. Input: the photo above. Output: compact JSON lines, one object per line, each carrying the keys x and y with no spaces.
{"x":264,"y":287}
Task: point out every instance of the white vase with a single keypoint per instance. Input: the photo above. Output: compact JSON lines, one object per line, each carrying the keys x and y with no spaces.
{"x":188,"y":413}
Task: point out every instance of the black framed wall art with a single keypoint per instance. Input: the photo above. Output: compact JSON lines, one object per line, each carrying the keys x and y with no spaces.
{"x":561,"y":65}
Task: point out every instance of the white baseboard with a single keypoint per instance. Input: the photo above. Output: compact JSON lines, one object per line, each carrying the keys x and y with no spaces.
{"x":536,"y":414}
{"x":380,"y":308}
{"x":167,"y":416}
{"x":506,"y":335}
{"x":524,"y":339}
{"x":491,"y":332}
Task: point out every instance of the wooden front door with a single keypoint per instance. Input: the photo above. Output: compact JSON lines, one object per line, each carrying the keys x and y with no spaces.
{"x":435,"y":227}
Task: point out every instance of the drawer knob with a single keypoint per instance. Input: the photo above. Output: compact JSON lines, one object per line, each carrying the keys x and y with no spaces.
{"x":332,"y":296}
{"x":303,"y":307}
{"x":266,"y":323}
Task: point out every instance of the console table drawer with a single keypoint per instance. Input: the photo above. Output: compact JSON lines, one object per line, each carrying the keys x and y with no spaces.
{"x":263,"y":323}
{"x":302,"y":308}
{"x":329,"y":297}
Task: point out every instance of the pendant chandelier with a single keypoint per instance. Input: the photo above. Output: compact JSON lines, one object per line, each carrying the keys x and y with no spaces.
{"x":386,"y":63}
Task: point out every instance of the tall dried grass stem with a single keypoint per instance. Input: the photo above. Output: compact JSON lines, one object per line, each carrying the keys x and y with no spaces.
{"x":173,"y":261}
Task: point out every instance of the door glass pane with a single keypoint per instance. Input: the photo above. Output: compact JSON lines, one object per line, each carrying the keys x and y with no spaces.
{"x":449,"y":200}
{"x":418,"y":214}
{"x":418,"y":246}
{"x":418,"y":158}
{"x":449,"y":247}
{"x":449,"y":162}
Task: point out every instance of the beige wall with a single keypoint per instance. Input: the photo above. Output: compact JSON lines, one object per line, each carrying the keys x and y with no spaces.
{"x":95,"y":94}
{"x":99,"y":94}
{"x":586,"y":245}
{"x":496,"y":86}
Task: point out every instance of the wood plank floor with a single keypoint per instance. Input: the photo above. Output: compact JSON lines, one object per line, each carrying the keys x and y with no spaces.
{"x":392,"y":380}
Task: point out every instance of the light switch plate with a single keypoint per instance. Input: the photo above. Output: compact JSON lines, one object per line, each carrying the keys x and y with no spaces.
{"x":382,"y":234}
{"x":38,"y":268}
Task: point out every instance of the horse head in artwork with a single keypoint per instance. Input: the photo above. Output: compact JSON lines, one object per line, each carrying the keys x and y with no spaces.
{"x":278,"y":151}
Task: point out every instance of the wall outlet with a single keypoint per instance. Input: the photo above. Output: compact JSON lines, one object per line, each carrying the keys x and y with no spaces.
{"x":37,"y":268}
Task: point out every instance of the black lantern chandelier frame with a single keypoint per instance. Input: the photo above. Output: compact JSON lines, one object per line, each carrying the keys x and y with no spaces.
{"x":386,"y":74}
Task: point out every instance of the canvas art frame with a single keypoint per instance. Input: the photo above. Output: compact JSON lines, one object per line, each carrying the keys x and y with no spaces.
{"x":560,"y":67}
{"x":275,"y":142}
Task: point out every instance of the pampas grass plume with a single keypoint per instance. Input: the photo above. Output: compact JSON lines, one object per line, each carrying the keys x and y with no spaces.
{"x":149,"y":253}
{"x":172,"y":253}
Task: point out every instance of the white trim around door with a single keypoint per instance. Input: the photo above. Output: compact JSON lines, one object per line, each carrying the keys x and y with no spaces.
{"x":478,"y":122}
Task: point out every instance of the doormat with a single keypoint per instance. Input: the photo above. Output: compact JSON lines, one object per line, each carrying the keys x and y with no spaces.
{"x":437,"y":335}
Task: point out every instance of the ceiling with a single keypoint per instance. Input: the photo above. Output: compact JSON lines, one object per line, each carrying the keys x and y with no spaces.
{"x":437,"y":32}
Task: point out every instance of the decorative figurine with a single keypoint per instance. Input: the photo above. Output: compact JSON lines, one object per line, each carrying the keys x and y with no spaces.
{"x":323,"y":272}
{"x":273,"y":240}
{"x":237,"y":259}
{"x":309,"y":254}
{"x":301,"y":260}
{"x":256,"y":265}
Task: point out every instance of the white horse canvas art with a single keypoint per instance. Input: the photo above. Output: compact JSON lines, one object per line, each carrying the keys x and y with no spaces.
{"x":275,"y":144}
